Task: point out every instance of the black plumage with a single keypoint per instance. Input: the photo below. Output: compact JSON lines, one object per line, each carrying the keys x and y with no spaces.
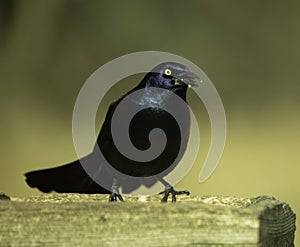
{"x":72,"y":178}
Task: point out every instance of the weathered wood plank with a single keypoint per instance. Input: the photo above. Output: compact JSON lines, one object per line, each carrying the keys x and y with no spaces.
{"x":89,"y":220}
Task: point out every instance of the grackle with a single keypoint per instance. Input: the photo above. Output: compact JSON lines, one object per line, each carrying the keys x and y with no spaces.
{"x":72,"y":178}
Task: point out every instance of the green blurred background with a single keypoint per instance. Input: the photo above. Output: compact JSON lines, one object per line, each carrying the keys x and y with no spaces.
{"x":249,"y":49}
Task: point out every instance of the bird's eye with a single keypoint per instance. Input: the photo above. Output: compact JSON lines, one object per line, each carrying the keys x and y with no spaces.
{"x":168,"y":72}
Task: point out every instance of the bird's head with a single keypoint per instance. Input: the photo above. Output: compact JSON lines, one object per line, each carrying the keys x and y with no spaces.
{"x":171,"y":76}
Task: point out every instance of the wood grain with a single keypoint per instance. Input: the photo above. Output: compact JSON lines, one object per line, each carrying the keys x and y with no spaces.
{"x":90,"y":220}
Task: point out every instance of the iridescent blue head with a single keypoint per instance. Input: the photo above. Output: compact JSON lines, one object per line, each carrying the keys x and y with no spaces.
{"x":171,"y":76}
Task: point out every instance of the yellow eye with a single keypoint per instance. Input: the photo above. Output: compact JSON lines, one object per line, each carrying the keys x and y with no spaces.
{"x":168,"y":72}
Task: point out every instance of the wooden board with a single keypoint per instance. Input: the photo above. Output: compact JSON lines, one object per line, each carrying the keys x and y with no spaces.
{"x":90,"y":220}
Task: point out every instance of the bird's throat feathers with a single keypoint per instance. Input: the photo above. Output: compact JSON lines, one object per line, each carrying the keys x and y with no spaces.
{"x":153,"y":99}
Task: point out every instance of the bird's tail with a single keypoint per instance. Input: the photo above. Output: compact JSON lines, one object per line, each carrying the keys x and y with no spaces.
{"x":69,"y":178}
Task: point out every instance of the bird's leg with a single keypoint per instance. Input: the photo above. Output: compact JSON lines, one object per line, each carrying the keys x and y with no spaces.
{"x":115,"y":195}
{"x":170,"y":190}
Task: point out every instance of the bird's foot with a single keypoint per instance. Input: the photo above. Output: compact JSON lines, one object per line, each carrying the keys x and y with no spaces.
{"x":114,"y":196}
{"x":170,"y":190}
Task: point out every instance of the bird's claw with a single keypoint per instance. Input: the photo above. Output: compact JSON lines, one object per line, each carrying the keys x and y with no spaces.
{"x":115,"y":196}
{"x":170,"y":190}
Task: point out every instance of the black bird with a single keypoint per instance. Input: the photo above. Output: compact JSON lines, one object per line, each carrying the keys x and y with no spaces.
{"x":72,"y":178}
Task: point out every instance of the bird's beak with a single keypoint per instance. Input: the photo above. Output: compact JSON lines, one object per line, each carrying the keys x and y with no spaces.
{"x":188,"y":78}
